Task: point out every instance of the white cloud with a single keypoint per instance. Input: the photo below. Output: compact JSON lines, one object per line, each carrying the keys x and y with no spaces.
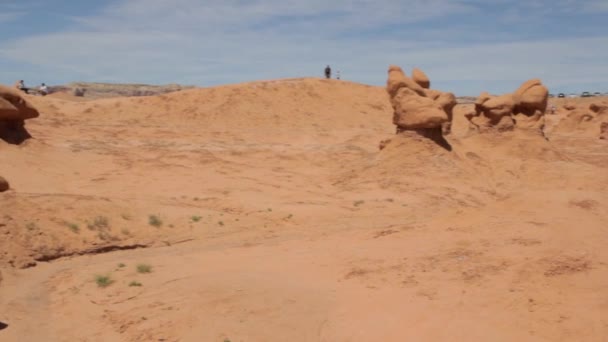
{"x":222,"y":41}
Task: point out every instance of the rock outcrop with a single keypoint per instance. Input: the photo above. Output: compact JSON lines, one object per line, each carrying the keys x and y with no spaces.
{"x":14,"y":110}
{"x":525,"y":108}
{"x":604,"y":131}
{"x":420,"y":77}
{"x":417,"y":108}
{"x":583,"y":120}
{"x":3,"y":184}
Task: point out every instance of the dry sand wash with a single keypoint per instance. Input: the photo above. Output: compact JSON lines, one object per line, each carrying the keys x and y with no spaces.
{"x":282,"y":221}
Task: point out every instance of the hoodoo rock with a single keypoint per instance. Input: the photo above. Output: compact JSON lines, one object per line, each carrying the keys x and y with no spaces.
{"x":420,"y":77}
{"x":525,"y":108}
{"x":14,"y":110}
{"x":417,"y":108}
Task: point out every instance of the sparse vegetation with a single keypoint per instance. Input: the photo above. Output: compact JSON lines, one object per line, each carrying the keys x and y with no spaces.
{"x":135,"y":283}
{"x":269,"y":209}
{"x":358,"y":203}
{"x":105,"y":236}
{"x":126,"y":217}
{"x":155,"y":221}
{"x":144,"y":268}
{"x":99,"y":222}
{"x":221,"y":223}
{"x":103,"y":280}
{"x":73,"y":227}
{"x":125,"y":231}
{"x":121,"y":265}
{"x":31,"y":226}
{"x":195,"y":218}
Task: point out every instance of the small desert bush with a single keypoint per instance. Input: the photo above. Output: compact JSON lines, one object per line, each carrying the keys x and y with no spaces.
{"x":135,"y":283}
{"x":144,"y":268}
{"x":195,"y":218}
{"x":103,"y":280}
{"x":73,"y":227}
{"x":155,"y":221}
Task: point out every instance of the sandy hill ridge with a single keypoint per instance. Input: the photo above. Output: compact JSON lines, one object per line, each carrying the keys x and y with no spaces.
{"x":267,"y":211}
{"x":95,"y":90}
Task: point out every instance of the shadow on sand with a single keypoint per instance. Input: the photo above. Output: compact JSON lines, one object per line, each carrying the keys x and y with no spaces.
{"x":13,"y":132}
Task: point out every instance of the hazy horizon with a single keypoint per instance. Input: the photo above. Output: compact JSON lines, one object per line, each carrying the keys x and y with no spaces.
{"x":464,"y":46}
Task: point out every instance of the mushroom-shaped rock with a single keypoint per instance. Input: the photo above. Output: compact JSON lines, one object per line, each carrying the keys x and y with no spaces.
{"x":397,"y":79}
{"x":14,"y":107}
{"x":420,"y":77}
{"x":426,"y":112}
{"x":499,"y":106}
{"x":531,"y":96}
{"x":14,"y":110}
{"x":414,"y":112}
{"x":524,"y":108}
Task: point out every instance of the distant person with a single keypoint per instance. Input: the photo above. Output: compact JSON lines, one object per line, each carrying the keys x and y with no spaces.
{"x":44,"y":90}
{"x":21,"y":86}
{"x":338,"y":75}
{"x":327,"y":72}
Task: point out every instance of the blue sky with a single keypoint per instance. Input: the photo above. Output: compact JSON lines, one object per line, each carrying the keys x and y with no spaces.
{"x":465,"y":46}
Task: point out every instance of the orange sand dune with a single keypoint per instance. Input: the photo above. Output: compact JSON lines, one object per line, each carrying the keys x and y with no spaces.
{"x":267,"y":212}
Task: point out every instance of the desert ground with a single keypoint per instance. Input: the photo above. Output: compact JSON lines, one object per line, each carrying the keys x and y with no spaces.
{"x":266,"y":211}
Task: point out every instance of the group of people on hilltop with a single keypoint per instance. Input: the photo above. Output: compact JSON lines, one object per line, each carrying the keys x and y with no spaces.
{"x":43,"y":89}
{"x":328,"y":73}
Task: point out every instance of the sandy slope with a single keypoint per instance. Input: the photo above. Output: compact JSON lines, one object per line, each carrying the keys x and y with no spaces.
{"x":307,"y":232}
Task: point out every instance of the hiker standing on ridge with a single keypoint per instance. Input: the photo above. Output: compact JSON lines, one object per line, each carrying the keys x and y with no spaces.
{"x":327,"y":72}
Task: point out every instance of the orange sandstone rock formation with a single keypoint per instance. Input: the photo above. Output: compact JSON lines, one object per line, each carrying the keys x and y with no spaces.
{"x":14,"y":110}
{"x":417,"y":108}
{"x":524,"y":108}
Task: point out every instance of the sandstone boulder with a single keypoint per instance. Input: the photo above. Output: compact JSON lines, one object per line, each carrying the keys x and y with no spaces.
{"x":418,"y":109}
{"x":3,"y":184}
{"x":397,"y":79}
{"x":414,"y":112}
{"x":14,"y":110}
{"x":420,"y":77}
{"x":497,"y":107}
{"x":524,"y":108}
{"x":14,"y":107}
{"x":531,"y":96}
